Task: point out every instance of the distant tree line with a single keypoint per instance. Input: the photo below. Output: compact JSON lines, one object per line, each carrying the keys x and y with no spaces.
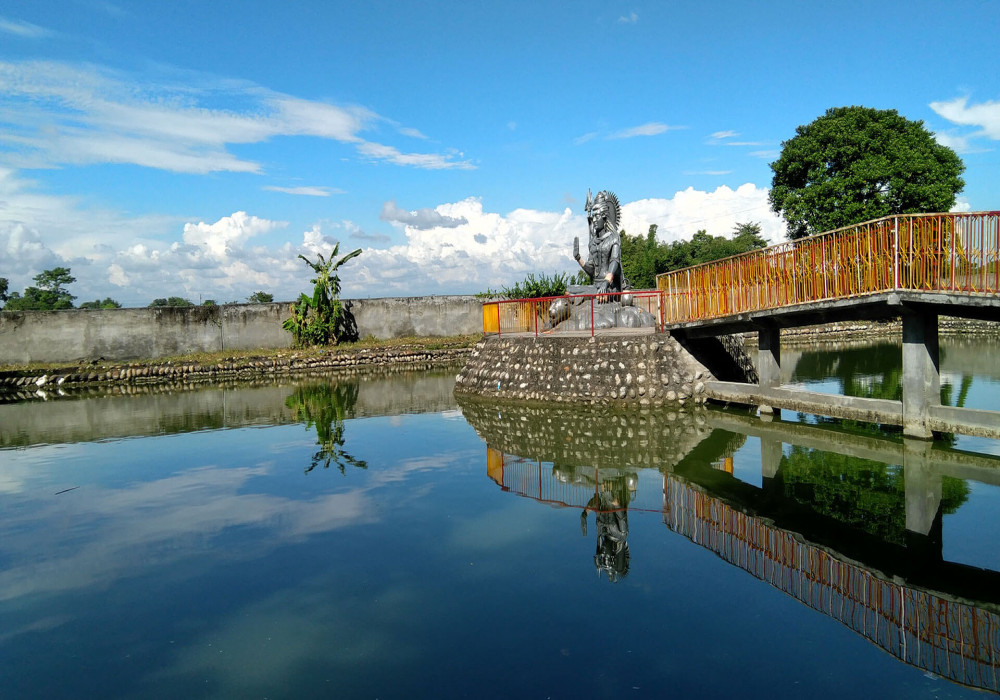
{"x":643,"y":257}
{"x":50,"y":293}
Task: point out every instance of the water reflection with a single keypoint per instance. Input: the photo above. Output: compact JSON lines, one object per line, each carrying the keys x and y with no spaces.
{"x":164,"y":409}
{"x":848,"y":524}
{"x":324,"y":407}
{"x":873,"y":369}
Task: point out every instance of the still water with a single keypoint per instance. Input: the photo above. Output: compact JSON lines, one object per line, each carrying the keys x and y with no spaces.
{"x":370,"y":537}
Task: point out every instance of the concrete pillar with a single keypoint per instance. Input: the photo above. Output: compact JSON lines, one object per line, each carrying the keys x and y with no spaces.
{"x":768,"y":364}
{"x":921,"y":375}
{"x":769,"y":357}
{"x":923,"y":487}
{"x":770,"y":457}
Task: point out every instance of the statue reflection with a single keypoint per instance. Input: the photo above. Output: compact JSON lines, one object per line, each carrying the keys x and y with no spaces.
{"x":610,"y":506}
{"x":607,"y":492}
{"x":324,"y":407}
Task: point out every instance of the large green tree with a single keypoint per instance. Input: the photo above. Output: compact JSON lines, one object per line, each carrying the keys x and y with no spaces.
{"x":855,"y":164}
{"x":3,"y":288}
{"x":50,"y":294}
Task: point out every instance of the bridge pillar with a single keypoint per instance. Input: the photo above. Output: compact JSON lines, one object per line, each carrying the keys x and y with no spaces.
{"x":921,"y":374}
{"x":923,"y":487}
{"x":768,"y":362}
{"x":770,"y":457}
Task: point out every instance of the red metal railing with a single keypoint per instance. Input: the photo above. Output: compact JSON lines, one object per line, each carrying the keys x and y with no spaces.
{"x":542,"y":316}
{"x":921,"y":252}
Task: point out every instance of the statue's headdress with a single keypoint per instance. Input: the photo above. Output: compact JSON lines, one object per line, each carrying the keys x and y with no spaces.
{"x":608,"y":200}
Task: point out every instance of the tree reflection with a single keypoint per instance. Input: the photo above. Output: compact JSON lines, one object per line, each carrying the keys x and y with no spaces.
{"x":325,"y":407}
{"x":861,"y":493}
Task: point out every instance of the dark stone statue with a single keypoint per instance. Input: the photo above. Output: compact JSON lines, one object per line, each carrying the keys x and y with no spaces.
{"x":604,"y":268}
{"x":604,"y":261}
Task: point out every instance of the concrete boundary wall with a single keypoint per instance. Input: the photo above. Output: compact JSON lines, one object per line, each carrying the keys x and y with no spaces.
{"x":128,"y":334}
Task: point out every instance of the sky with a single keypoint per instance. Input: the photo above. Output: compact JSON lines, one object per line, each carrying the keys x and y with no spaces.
{"x":196,"y":149}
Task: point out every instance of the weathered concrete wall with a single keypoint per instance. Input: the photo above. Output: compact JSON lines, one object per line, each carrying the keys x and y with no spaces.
{"x":126,"y":334}
{"x":648,"y":370}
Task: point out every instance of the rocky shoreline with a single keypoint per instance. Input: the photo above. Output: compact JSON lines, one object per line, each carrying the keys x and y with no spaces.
{"x":18,"y":384}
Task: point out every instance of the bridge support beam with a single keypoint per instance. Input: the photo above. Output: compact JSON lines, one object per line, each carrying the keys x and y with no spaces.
{"x":769,"y":362}
{"x":770,"y":457}
{"x":921,"y":373}
{"x":923,"y":487}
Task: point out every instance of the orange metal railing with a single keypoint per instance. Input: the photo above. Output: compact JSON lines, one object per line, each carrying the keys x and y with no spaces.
{"x":921,"y":252}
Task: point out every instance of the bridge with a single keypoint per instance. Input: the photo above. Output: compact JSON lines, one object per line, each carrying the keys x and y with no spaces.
{"x":916,"y":267}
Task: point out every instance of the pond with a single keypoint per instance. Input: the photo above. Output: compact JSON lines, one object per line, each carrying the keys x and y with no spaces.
{"x":368,"y":536}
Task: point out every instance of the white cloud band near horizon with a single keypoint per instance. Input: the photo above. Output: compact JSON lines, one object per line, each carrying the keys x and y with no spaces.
{"x":453,"y":248}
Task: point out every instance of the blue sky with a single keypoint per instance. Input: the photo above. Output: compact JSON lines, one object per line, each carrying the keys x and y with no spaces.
{"x":197,"y":148}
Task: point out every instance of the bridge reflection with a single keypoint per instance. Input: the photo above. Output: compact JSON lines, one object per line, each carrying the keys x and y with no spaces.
{"x":895,"y":591}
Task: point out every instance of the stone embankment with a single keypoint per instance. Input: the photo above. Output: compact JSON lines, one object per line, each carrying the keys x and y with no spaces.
{"x":647,"y":370}
{"x":25,"y":383}
{"x":865,"y":330}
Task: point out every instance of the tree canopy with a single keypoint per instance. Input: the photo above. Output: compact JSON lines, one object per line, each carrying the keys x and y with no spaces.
{"x":108,"y":303}
{"x":172,"y":301}
{"x":855,"y":164}
{"x":260,"y":298}
{"x":643,"y":258}
{"x":50,"y":294}
{"x":3,"y":288}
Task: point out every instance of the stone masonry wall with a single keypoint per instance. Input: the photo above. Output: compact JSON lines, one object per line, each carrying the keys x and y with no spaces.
{"x":646,"y":370}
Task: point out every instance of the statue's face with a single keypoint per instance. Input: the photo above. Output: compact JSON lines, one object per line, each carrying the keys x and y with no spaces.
{"x":600,"y":215}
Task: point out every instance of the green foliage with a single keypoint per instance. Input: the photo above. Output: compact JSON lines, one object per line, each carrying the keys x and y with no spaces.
{"x":50,"y":294}
{"x":108,"y":303}
{"x":643,"y":258}
{"x":4,"y":284}
{"x":260,"y":298}
{"x":855,"y":164}
{"x":325,"y":407}
{"x":531,"y":288}
{"x":172,"y":301}
{"x":867,"y":495}
{"x":319,"y":320}
{"x":209,"y":302}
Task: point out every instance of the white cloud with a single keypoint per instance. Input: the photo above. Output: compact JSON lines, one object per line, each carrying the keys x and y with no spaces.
{"x":985,"y":115}
{"x":648,"y":129}
{"x":630,"y":18}
{"x":421,"y":219}
{"x":717,"y":212}
{"x":306,"y":191}
{"x":227,"y":235}
{"x":25,"y":30}
{"x":453,"y":248}
{"x":54,"y":113}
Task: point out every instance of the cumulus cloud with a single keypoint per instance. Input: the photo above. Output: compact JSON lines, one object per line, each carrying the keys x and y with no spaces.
{"x":985,"y":116}
{"x":420,"y":219}
{"x":453,"y":248}
{"x":717,"y":212}
{"x":54,"y":114}
{"x":630,"y":18}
